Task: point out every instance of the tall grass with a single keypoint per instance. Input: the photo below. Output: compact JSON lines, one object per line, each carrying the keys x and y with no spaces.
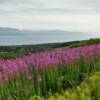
{"x":47,"y":72}
{"x":47,"y":81}
{"x":88,"y":90}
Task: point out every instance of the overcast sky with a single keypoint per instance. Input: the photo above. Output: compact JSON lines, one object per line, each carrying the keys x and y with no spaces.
{"x":70,"y":15}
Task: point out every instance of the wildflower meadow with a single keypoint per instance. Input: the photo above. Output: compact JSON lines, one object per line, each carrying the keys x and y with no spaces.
{"x":41,"y":74}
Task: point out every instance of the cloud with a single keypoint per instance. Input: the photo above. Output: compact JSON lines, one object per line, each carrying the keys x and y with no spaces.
{"x":49,"y":4}
{"x":82,"y":15}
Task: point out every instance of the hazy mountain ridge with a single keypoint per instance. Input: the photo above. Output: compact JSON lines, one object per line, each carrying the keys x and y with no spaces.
{"x":11,"y":36}
{"x":13,"y":31}
{"x":10,"y":31}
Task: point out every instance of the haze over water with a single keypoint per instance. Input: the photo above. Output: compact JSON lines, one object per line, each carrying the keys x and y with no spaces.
{"x":44,"y":38}
{"x":69,"y":15}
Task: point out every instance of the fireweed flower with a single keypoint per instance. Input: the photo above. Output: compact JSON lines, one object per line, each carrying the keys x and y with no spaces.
{"x":42,"y":60}
{"x":29,"y":77}
{"x":9,"y":98}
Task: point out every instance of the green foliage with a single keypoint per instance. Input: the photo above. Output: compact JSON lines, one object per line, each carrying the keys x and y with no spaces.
{"x":66,"y":78}
{"x":88,"y":90}
{"x":51,"y":80}
{"x":36,"y":98}
{"x":11,"y":52}
{"x":85,"y":42}
{"x":46,"y":81}
{"x":11,"y":55}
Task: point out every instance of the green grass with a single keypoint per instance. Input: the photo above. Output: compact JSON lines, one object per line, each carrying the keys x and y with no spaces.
{"x":11,"y":52}
{"x":48,"y":81}
{"x":89,"y":89}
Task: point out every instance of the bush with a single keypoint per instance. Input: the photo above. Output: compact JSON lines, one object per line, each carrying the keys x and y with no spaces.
{"x":88,"y":90}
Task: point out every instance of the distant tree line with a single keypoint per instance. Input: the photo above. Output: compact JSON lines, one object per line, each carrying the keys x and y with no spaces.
{"x":11,"y":52}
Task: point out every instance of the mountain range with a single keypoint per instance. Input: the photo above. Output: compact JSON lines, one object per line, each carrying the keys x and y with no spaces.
{"x":15,"y":32}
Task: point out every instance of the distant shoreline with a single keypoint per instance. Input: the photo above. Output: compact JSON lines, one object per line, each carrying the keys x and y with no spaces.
{"x":37,"y":44}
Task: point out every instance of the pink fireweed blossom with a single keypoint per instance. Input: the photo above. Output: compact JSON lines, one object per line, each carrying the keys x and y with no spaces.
{"x":47,"y":59}
{"x":29,"y":77}
{"x":9,"y":98}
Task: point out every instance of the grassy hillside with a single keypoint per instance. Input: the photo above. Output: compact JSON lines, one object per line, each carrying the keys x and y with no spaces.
{"x":42,"y":74}
{"x":10,"y":52}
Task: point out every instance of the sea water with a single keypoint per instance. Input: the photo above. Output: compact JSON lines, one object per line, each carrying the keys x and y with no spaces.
{"x":41,"y":38}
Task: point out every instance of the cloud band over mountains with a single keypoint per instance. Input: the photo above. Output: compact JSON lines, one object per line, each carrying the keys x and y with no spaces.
{"x":75,"y":15}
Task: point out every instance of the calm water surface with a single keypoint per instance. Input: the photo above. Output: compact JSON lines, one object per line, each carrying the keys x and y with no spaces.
{"x":42,"y":38}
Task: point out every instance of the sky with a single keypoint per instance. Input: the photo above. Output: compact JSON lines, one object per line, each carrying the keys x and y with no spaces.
{"x":68,"y":15}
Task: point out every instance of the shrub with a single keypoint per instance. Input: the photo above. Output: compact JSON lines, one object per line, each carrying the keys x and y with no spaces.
{"x":88,"y":90}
